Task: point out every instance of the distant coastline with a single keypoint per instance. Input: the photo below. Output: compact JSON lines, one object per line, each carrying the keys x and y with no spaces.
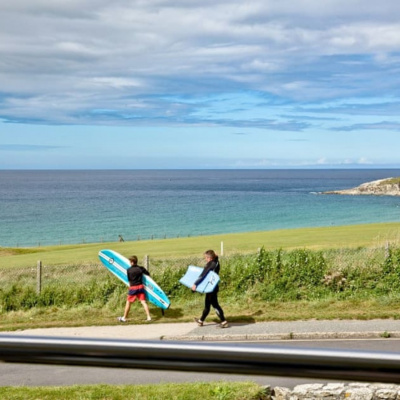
{"x":380,"y":187}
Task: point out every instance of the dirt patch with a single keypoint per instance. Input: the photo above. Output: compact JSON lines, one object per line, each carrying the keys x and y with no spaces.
{"x":8,"y":251}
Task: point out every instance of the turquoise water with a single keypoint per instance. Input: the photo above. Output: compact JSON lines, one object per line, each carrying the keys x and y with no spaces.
{"x":53,"y":207}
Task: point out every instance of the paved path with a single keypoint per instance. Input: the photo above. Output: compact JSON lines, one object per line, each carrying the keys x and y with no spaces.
{"x":340,"y":329}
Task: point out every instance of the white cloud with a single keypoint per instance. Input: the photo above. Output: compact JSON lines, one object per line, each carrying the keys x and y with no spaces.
{"x":364,"y":161}
{"x":75,"y":57}
{"x":116,"y":82}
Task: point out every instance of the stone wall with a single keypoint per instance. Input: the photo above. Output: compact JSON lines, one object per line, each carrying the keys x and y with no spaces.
{"x":331,"y":391}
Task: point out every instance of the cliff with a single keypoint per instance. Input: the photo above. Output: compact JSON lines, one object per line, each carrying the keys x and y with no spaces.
{"x":381,"y":187}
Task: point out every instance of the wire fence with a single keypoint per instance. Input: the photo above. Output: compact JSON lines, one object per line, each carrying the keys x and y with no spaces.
{"x":276,"y":275}
{"x":40,"y":242}
{"x":40,"y":276}
{"x":88,"y":284}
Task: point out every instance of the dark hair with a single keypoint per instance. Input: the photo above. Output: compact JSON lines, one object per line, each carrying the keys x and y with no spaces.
{"x":133,"y":259}
{"x":210,"y":253}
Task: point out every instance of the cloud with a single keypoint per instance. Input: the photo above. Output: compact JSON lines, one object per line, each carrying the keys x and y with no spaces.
{"x":101,"y":62}
{"x":265,"y":124}
{"x":361,"y":107}
{"x":379,"y":126}
{"x":26,"y":147}
{"x":301,"y":163}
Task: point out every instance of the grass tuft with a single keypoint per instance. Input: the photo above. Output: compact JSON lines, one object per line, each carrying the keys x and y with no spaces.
{"x":167,"y":391}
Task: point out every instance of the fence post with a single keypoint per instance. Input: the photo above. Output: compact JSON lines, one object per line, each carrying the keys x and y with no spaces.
{"x":222,"y":248}
{"x":146,"y":262}
{"x":39,"y":277}
{"x":387,"y":249}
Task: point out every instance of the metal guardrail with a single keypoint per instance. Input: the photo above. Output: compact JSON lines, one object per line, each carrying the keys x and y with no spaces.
{"x":218,"y":358}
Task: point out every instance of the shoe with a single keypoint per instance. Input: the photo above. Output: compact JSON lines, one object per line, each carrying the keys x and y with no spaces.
{"x":121,"y":319}
{"x":148,"y":319}
{"x":223,"y":324}
{"x":198,"y":321}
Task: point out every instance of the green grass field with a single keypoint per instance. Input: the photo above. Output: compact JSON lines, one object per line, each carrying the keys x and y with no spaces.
{"x":368,"y":235}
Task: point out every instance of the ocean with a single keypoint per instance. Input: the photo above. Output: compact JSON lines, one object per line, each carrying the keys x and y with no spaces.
{"x":61,"y":207}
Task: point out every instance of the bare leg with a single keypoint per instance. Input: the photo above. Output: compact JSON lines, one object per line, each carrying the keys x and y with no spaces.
{"x":146,"y":308}
{"x":127,"y":308}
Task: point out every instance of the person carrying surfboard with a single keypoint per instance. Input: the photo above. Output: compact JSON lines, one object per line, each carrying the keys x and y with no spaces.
{"x":136,"y":288}
{"x":211,"y":298}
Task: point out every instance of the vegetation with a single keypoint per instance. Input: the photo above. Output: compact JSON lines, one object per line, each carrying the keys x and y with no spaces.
{"x":187,"y":391}
{"x":391,"y":181}
{"x":323,"y":273}
{"x":265,"y":285}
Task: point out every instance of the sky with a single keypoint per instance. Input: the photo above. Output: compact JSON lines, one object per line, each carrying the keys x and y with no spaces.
{"x":160,"y":84}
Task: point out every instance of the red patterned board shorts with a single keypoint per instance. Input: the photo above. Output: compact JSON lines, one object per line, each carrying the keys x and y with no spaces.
{"x":136,"y":292}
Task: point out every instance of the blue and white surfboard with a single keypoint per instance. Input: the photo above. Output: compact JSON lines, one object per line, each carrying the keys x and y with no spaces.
{"x":192,"y":274}
{"x":118,"y":265}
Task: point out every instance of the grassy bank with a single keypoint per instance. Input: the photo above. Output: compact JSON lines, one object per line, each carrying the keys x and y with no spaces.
{"x":189,"y":391}
{"x":266,"y":285}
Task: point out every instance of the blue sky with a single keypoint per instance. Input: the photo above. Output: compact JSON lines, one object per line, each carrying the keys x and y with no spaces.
{"x":199,"y":84}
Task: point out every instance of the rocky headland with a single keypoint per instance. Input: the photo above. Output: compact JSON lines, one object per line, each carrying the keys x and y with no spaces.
{"x":381,"y":187}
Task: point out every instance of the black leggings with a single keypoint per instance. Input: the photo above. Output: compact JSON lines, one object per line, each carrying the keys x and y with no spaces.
{"x":212,"y":300}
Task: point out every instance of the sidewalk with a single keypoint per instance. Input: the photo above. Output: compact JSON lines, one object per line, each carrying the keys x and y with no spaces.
{"x":335,"y":329}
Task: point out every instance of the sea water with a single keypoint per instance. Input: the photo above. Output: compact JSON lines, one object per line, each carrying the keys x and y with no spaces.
{"x":61,"y":207}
